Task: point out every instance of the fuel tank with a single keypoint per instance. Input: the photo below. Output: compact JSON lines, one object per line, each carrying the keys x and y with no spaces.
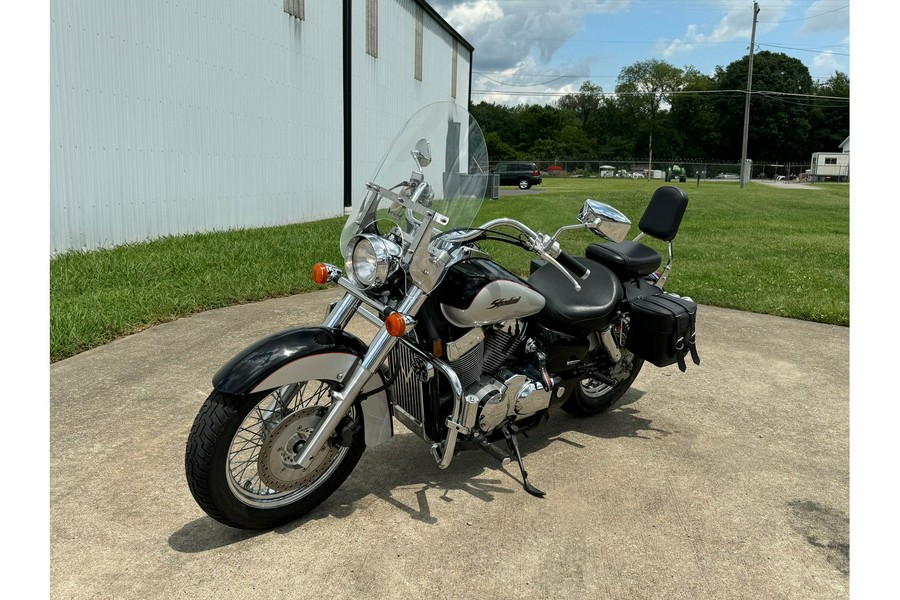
{"x":479,"y":292}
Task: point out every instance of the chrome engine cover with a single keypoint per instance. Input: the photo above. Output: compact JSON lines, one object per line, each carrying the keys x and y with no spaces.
{"x":510,"y":396}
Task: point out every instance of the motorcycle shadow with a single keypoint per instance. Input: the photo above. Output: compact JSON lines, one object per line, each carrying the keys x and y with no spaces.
{"x":402,"y":473}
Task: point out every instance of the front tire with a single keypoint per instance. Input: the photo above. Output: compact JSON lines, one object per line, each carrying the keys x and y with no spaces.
{"x":591,"y":397}
{"x":237,"y":459}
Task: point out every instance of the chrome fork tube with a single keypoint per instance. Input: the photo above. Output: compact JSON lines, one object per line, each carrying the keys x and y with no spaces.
{"x":342,"y":312}
{"x":355,"y":380}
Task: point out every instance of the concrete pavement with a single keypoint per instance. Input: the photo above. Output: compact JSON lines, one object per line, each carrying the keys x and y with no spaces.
{"x":728,"y":481}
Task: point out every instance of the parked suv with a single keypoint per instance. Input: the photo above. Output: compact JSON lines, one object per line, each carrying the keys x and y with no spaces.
{"x":522,"y":174}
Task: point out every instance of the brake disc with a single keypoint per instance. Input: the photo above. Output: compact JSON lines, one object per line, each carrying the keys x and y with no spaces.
{"x":276,"y":466}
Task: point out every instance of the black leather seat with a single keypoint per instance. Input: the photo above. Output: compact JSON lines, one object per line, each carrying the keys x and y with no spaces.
{"x":626,"y":259}
{"x":661,"y":220}
{"x":591,"y":308}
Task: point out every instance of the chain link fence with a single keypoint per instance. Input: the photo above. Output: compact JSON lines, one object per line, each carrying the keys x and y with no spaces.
{"x":687,"y":170}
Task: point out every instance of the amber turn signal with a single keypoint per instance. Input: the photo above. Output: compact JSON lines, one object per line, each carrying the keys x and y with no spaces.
{"x":395,"y":324}
{"x":320,"y":273}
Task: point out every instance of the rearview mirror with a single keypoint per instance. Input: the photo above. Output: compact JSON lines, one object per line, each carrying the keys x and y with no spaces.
{"x":422,"y":153}
{"x":604,"y":220}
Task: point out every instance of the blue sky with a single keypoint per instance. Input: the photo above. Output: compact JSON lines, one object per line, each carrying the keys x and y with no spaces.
{"x":534,"y":50}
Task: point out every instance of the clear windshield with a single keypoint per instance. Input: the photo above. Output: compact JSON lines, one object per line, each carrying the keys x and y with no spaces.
{"x":457,"y":173}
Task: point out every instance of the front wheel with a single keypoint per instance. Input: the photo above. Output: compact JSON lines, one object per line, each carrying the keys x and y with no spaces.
{"x":239,"y":453}
{"x":591,"y":396}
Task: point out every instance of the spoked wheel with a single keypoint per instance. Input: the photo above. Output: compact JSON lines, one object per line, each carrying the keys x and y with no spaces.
{"x":593,"y":396}
{"x":240,"y":453}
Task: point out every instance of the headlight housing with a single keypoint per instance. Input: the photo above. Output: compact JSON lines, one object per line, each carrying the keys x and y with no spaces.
{"x":371,"y":259}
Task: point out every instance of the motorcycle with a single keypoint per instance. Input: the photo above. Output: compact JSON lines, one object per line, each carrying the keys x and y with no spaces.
{"x":467,"y":354}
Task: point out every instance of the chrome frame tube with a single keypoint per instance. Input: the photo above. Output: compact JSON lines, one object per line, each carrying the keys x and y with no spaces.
{"x":462,"y":418}
{"x":665,"y":274}
{"x":352,"y":290}
{"x":609,"y":344}
{"x":468,"y":411}
{"x":369,"y":316}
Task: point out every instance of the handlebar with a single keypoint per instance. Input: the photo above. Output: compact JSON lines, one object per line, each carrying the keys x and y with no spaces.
{"x":575,"y":267}
{"x":544,"y":246}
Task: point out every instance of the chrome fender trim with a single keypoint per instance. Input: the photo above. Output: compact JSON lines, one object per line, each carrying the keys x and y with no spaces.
{"x":334,"y":366}
{"x":301,"y":354}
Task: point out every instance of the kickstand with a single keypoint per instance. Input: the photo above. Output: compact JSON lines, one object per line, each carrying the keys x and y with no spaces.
{"x":514,"y":446}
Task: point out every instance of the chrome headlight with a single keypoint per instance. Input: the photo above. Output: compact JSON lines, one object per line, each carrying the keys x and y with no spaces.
{"x":371,"y":259}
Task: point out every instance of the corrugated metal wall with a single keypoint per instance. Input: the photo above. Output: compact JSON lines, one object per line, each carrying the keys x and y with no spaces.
{"x":385,"y":90}
{"x":183,"y":116}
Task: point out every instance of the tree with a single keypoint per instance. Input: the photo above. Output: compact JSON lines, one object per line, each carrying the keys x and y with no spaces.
{"x":585,"y":103}
{"x":545,"y":150}
{"x":779,"y":107}
{"x":497,"y":148}
{"x":615,"y":130}
{"x":693,"y":115}
{"x":574,"y":143}
{"x":533,"y":122}
{"x":495,"y":118}
{"x":830,"y":115}
{"x":646,"y":85}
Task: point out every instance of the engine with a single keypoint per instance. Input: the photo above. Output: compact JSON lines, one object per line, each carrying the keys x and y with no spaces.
{"x":506,"y":389}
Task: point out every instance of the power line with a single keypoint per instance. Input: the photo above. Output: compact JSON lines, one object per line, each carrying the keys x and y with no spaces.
{"x":527,"y":84}
{"x":673,"y":93}
{"x":828,"y":12}
{"x":818,"y":78}
{"x":589,"y":41}
{"x":805,"y":49}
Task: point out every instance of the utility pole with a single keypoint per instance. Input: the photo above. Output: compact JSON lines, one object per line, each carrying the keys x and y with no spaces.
{"x":747,"y":102}
{"x":650,"y":163}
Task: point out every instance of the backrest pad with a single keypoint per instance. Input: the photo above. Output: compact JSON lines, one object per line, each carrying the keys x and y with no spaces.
{"x":663,"y":214}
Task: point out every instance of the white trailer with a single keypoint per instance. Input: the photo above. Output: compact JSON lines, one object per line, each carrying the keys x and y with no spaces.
{"x":830,"y":166}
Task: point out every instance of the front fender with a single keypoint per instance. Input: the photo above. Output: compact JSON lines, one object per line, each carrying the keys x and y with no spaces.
{"x":303,"y":354}
{"x":261,"y":365}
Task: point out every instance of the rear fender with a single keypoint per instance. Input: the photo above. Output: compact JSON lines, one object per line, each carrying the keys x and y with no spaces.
{"x":302,"y":354}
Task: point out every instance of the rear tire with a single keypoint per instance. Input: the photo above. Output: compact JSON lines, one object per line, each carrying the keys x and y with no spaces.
{"x":591,"y":397}
{"x":234,"y":460}
{"x":524,"y":184}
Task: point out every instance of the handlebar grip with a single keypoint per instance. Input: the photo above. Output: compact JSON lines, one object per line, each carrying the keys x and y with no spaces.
{"x":573,"y":266}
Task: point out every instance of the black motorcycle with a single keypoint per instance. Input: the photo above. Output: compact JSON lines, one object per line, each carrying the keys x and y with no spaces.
{"x":467,"y":354}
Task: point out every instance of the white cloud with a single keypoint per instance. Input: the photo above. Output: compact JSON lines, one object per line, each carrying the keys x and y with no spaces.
{"x":826,"y":62}
{"x":735,"y":25}
{"x":529,"y":82}
{"x":825,"y":16}
{"x":517,"y":43}
{"x":506,"y":34}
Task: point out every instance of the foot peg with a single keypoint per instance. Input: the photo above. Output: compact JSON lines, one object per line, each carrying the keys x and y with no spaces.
{"x":509,"y":432}
{"x":495,"y":452}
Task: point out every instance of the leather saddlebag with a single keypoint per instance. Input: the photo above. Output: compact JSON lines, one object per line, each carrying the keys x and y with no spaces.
{"x":662,"y":330}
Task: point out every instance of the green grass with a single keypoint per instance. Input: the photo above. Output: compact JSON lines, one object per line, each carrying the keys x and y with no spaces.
{"x":762,"y":249}
{"x":96,"y":297}
{"x":776,"y":250}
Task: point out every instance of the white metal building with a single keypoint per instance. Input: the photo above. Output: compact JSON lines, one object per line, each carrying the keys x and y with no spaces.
{"x":200,"y":115}
{"x":845,"y":145}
